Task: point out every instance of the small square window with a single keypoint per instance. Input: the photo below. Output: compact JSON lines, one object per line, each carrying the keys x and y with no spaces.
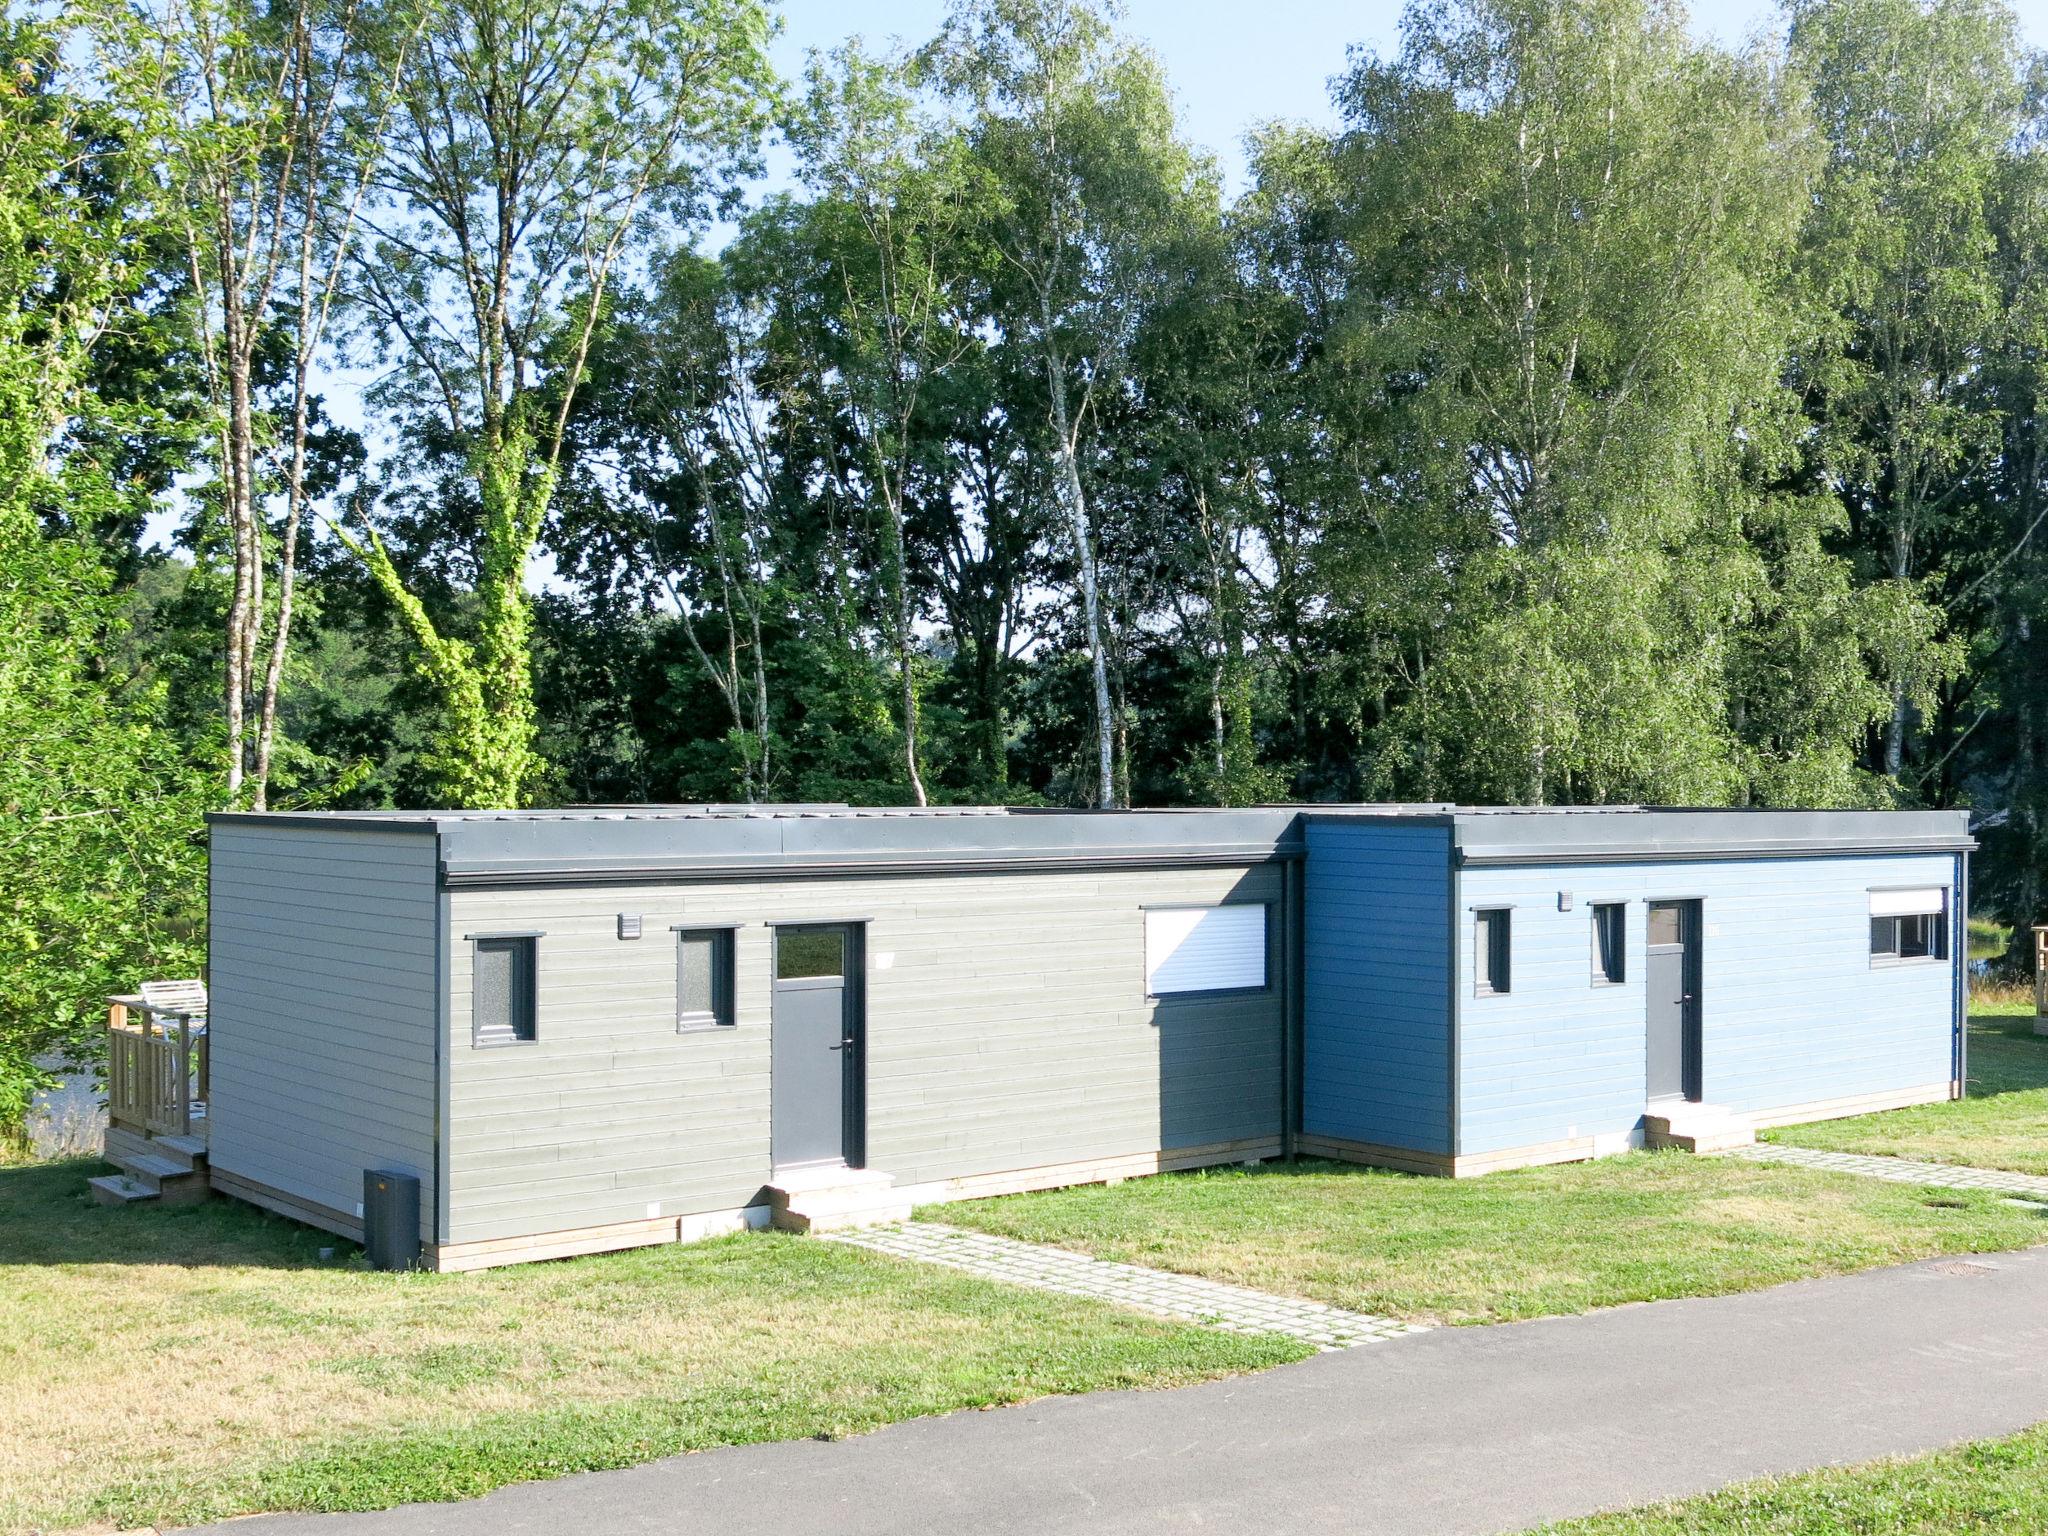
{"x":1610,"y":943}
{"x":1490,"y":952}
{"x":704,"y":989}
{"x":501,"y":992}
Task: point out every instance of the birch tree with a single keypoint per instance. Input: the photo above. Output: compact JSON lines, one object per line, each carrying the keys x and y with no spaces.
{"x":243,"y":111}
{"x":537,"y":146}
{"x":895,"y":199}
{"x":1075,"y":126}
{"x":1917,"y":104}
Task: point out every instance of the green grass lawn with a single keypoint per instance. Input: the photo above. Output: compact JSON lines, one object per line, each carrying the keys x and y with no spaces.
{"x":164,"y":1365}
{"x":1990,"y":1486}
{"x":2001,"y":1123}
{"x":1526,"y":1243}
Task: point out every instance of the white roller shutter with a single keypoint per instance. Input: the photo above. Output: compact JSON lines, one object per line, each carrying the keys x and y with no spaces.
{"x":1205,"y":949}
{"x":1914,"y":903}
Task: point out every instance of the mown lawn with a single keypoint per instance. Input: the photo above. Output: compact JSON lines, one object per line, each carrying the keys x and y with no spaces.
{"x":2001,"y":1123}
{"x":1989,"y":1486}
{"x":1527,"y":1243}
{"x":166,"y":1366}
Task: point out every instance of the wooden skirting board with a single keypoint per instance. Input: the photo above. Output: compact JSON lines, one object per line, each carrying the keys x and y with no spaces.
{"x":1441,"y":1164}
{"x":1131,"y":1165}
{"x":1584,"y":1148}
{"x":1861,"y":1104}
{"x":576,"y":1241}
{"x":311,"y":1212}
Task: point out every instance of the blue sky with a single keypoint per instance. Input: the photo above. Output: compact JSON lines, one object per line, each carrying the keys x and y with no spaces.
{"x":1234,"y":63}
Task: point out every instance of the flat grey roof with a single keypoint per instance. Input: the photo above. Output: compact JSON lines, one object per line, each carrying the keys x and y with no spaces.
{"x":1501,"y":834}
{"x":679,"y":842}
{"x":656,"y":842}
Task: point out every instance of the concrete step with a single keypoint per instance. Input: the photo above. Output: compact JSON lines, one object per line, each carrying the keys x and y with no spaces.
{"x":119,"y":1189}
{"x":834,"y":1199}
{"x":1698,"y":1128}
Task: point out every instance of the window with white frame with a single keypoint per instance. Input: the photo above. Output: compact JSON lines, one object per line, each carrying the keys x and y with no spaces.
{"x":1205,"y":949}
{"x":1909,"y":924}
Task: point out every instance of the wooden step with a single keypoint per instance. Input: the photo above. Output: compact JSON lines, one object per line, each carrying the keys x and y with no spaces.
{"x":119,"y":1189}
{"x":190,"y":1148}
{"x":178,"y":1183}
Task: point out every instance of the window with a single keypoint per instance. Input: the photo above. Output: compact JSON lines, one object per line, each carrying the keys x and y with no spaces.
{"x":501,"y":989}
{"x":704,"y":968}
{"x":1909,"y":924}
{"x":1490,"y":952}
{"x":803,"y":954}
{"x":1205,"y":949}
{"x":1610,"y":943}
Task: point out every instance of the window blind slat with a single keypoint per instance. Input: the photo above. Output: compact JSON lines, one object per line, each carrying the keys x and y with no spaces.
{"x":1207,"y":949}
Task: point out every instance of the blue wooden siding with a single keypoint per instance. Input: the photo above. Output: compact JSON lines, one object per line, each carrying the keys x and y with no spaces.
{"x":1376,"y":969}
{"x":1793,"y":1012}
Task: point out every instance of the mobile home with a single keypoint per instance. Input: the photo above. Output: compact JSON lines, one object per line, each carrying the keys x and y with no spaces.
{"x":598,"y":1028}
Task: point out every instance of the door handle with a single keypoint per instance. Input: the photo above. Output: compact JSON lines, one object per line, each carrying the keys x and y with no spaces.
{"x":844,"y":1045}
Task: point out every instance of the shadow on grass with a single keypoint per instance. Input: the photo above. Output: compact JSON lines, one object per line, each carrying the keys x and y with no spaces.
{"x":48,"y":1216}
{"x":2006,"y":1056}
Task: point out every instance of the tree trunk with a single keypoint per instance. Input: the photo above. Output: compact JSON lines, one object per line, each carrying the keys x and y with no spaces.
{"x":906,"y":671}
{"x":1084,"y":549}
{"x":246,"y":605}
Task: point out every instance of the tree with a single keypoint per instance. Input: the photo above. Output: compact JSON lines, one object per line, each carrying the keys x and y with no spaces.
{"x":1573,"y":229}
{"x":893,"y":204}
{"x":1075,"y":128}
{"x":240,"y":107}
{"x":534,"y":147}
{"x":104,"y":875}
{"x":1916,"y":103}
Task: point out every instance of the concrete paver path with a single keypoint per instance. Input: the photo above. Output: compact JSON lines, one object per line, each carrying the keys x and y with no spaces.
{"x":1900,"y":1170}
{"x":1456,"y":1432}
{"x":1186,"y":1298}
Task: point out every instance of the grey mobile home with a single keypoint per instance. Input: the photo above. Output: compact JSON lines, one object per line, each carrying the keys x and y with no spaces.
{"x":594,"y":1029}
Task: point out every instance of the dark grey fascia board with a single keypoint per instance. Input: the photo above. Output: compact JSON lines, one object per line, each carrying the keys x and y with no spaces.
{"x":422,"y":822}
{"x":1652,"y":853}
{"x":685,"y":871}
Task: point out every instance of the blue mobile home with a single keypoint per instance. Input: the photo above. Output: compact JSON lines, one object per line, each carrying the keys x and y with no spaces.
{"x":601,"y":1027}
{"x":1493,"y":988}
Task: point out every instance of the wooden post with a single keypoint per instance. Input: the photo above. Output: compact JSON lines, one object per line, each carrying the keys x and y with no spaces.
{"x":184,"y":1074}
{"x":2041,"y":978}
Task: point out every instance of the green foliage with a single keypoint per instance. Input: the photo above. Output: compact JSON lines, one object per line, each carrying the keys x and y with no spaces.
{"x":98,"y":807}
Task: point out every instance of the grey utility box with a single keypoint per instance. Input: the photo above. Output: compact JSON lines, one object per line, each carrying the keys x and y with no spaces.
{"x":391,"y":1219}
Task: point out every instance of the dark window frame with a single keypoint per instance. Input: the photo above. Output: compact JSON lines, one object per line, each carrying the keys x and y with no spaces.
{"x":724,"y":1012}
{"x":1606,"y":974}
{"x":1493,"y":969}
{"x":524,"y":1030}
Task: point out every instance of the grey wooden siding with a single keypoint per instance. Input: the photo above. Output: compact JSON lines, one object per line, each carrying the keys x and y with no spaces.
{"x":1008,"y":1028}
{"x":322,"y":970}
{"x":1376,"y":1023}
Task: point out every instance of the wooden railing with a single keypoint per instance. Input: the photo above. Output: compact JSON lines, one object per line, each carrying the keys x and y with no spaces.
{"x":2041,"y":970}
{"x":156,"y":1068}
